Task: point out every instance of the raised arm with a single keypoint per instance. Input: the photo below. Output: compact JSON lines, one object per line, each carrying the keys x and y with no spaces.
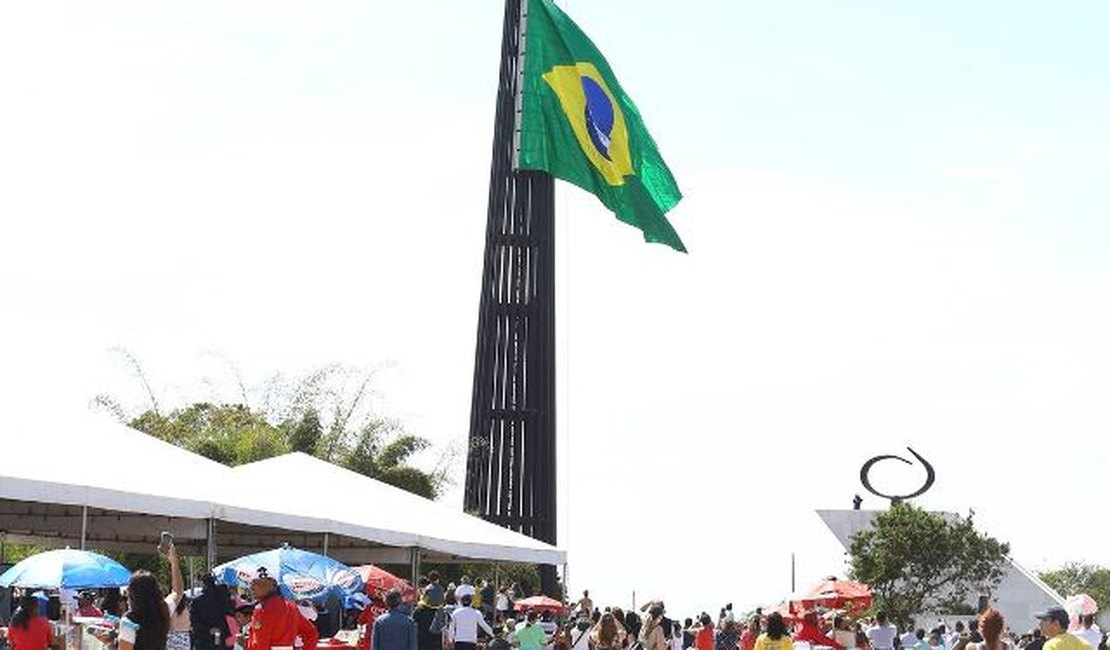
{"x":177,"y":585}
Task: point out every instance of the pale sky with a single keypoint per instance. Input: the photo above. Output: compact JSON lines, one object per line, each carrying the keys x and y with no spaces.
{"x":897,"y":218}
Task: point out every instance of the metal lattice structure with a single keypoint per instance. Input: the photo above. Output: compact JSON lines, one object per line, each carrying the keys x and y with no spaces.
{"x":510,"y":470}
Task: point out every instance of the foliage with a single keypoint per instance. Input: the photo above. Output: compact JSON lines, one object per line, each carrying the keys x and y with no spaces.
{"x":324,"y":414}
{"x":15,"y":553}
{"x":1076,"y":578}
{"x":918,"y":561}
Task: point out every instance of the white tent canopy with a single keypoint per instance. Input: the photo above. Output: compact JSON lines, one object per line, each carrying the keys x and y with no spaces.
{"x":366,"y":507}
{"x":70,"y":479}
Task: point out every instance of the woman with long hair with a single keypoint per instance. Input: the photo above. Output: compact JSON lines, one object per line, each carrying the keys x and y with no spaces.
{"x":990,"y":626}
{"x":776,"y":637}
{"x":608,"y":634}
{"x":148,"y":611}
{"x":29,"y":630}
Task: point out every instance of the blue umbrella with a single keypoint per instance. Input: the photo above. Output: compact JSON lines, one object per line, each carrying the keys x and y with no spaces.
{"x":300,"y":574}
{"x":66,"y":569}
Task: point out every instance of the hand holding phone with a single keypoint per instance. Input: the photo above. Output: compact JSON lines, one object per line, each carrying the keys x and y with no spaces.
{"x":165,"y":543}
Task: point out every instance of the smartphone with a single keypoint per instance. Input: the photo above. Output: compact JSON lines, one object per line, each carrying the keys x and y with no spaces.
{"x":165,"y":542}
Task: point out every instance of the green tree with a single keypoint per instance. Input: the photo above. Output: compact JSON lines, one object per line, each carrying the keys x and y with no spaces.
{"x":917,"y":561}
{"x":314,"y":414}
{"x":1076,"y":578}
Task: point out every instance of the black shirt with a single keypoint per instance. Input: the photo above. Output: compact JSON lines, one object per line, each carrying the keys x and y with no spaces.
{"x":208,"y":612}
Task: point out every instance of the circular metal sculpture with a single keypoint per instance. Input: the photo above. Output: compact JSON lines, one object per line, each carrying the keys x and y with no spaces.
{"x":930,"y":476}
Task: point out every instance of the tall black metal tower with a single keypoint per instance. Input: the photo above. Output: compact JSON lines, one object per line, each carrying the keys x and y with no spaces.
{"x":510,"y":468}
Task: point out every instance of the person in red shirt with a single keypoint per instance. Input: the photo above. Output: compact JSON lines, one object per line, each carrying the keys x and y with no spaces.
{"x":810,"y":631}
{"x":751,"y":633}
{"x":277,"y":623}
{"x":366,"y":621}
{"x":86,"y":605}
{"x":703,"y":640}
{"x":28,"y":630}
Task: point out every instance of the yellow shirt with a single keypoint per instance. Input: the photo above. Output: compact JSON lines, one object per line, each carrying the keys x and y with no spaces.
{"x":765,"y":642}
{"x":1066,"y":641}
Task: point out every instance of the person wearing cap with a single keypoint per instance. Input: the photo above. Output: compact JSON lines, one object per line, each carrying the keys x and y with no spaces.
{"x":465,"y":621}
{"x":277,"y":623}
{"x":86,"y":605}
{"x":1054,"y":626}
{"x":394,"y":630}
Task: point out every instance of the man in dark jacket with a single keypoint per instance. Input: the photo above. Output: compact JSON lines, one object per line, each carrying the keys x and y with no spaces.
{"x":394,"y":630}
{"x":208,"y":615}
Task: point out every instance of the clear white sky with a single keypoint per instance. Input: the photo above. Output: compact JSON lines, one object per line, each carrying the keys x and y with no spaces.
{"x":897,"y":217}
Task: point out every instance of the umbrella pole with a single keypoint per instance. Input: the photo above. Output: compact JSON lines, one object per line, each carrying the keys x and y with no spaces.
{"x":325,"y":544}
{"x":84,"y":525}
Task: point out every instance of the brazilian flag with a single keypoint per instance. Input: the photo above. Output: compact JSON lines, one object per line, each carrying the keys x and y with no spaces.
{"x":578,"y":124}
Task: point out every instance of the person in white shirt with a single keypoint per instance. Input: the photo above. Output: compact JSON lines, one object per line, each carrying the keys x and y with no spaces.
{"x":1088,"y":631}
{"x":464,"y":588}
{"x":909,"y":638}
{"x":956,"y":634}
{"x":550,"y":628}
{"x":881,"y":636}
{"x":580,"y":634}
{"x":502,"y":605}
{"x":465,"y":622}
{"x":676,"y":636}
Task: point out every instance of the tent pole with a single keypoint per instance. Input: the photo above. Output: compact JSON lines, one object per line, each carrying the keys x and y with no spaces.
{"x":325,"y":544}
{"x":414,"y":561}
{"x":210,"y":545}
{"x":84,"y":525}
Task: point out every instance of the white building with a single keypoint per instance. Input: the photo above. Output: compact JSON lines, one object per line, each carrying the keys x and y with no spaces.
{"x":1019,"y":596}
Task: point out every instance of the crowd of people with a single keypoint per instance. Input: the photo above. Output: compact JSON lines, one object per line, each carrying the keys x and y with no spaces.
{"x":456,"y":618}
{"x":148,"y":618}
{"x":481,"y":617}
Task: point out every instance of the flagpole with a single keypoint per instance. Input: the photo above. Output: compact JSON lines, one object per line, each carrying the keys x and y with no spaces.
{"x":511,"y":465}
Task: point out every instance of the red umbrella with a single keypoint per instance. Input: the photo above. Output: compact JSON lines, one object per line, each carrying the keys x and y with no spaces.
{"x":379,"y":582}
{"x":541,"y":603}
{"x":838,"y":594}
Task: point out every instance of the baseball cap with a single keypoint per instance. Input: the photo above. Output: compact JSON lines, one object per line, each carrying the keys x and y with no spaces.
{"x":1058,"y":614}
{"x":262,"y":573}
